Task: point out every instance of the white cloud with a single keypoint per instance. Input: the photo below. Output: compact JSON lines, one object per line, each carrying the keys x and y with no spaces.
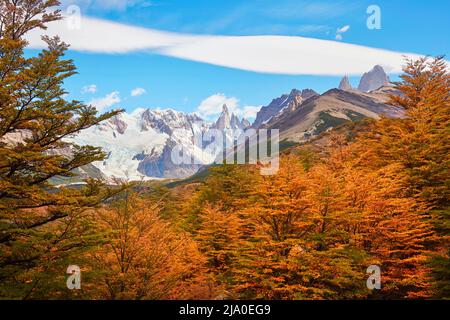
{"x":340,"y":31}
{"x":138,"y":92}
{"x":249,"y":112}
{"x":92,"y":88}
{"x":343,"y":29}
{"x":107,"y":101}
{"x":212,"y":106}
{"x":266,"y":54}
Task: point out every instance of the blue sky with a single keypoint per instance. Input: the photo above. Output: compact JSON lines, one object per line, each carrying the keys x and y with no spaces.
{"x":406,"y":26}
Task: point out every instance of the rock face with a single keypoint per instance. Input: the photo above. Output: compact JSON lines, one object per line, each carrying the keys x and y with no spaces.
{"x":235,"y":123}
{"x":227,"y":121}
{"x":245,"y":123}
{"x":308,"y":93}
{"x":374,"y":79}
{"x":286,"y":101}
{"x":345,"y":84}
{"x":331,"y":109}
{"x":224,"y":121}
{"x":141,"y":145}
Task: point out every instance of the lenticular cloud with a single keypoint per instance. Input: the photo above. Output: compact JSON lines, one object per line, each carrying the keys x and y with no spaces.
{"x":265,"y":54}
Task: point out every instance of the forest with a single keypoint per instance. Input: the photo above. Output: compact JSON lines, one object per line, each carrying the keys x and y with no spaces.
{"x":373,"y":192}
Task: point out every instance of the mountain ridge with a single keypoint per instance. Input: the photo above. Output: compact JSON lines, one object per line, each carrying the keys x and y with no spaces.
{"x":140,"y":145}
{"x":294,"y":98}
{"x":336,"y":106}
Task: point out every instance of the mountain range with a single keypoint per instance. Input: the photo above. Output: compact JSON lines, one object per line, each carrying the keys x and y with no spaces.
{"x":139,"y":145}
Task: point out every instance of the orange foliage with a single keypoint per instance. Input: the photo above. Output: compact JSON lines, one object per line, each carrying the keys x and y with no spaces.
{"x":144,"y":257}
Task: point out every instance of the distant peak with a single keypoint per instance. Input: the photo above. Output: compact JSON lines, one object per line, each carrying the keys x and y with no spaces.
{"x":373,"y":79}
{"x":378,"y":68}
{"x":225,"y":109}
{"x":295,"y":92}
{"x":235,"y":123}
{"x":345,"y":84}
{"x":305,"y":93}
{"x":308,"y":93}
{"x":224,"y":119}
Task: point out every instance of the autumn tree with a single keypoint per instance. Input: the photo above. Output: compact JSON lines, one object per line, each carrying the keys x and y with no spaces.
{"x":226,"y":186}
{"x":373,"y":215}
{"x":418,"y":147}
{"x":384,"y":222}
{"x":325,"y":264}
{"x":426,"y":97}
{"x":36,"y":219}
{"x":219,"y":238}
{"x":229,"y":185}
{"x":142,"y":256}
{"x":376,"y":194}
{"x":278,"y":218}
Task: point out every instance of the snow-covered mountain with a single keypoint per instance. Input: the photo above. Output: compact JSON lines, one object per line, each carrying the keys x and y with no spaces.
{"x":140,"y":145}
{"x":227,"y":121}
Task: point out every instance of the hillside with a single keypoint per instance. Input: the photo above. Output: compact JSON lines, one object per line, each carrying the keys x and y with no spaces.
{"x":331,"y":109}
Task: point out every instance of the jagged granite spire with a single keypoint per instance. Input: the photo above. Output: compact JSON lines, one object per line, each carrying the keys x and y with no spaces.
{"x":373,"y":79}
{"x":235,"y":123}
{"x":345,"y":84}
{"x":224,"y":120}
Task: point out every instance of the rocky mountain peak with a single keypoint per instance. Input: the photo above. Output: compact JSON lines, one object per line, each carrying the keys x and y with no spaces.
{"x":224,"y":121}
{"x":227,"y":121}
{"x":165,"y":121}
{"x":245,"y":123}
{"x":308,"y":93}
{"x":235,"y":123}
{"x":345,"y":84}
{"x":289,"y":101}
{"x":225,"y":109}
{"x":373,"y":79}
{"x":139,"y":145}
